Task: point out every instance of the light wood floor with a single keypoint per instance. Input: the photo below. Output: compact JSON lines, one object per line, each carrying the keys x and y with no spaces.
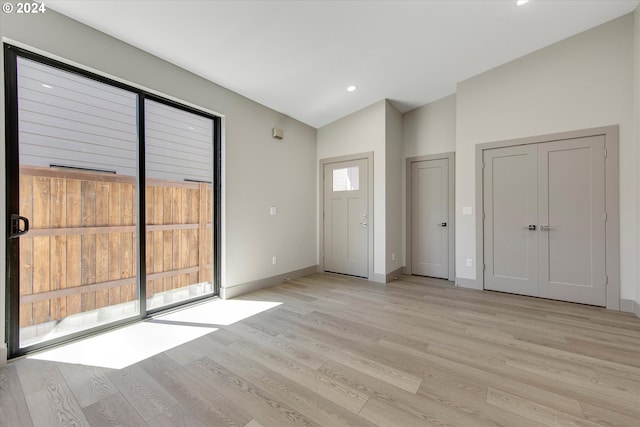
{"x":342,"y":351}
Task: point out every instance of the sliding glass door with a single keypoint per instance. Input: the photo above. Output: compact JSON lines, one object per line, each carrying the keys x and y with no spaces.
{"x":77,"y":162}
{"x":88,"y":244}
{"x":179,"y":201}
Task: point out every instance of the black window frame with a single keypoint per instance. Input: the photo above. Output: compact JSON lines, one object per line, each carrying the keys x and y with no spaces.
{"x":12,"y":279}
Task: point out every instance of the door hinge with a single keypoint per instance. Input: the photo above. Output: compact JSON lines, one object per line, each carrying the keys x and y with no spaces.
{"x":604,"y":217}
{"x":484,"y":267}
{"x":483,"y":164}
{"x":606,"y":280}
{"x":605,"y":153}
{"x":483,"y":216}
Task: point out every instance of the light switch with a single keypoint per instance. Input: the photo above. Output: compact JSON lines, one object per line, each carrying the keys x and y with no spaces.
{"x":467,"y":210}
{"x":273,"y":210}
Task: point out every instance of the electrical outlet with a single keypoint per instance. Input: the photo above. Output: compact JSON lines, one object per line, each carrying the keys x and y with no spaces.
{"x":469,"y":262}
{"x":273,"y":260}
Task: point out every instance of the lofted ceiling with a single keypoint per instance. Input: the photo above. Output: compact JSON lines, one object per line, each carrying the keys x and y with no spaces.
{"x":298,"y":57}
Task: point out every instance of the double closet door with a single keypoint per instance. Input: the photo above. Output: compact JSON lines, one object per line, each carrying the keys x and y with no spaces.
{"x":544,"y":223}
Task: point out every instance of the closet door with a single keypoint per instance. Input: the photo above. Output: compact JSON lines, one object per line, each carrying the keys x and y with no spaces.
{"x":430,"y":218}
{"x":510,"y":224}
{"x":571,"y":211}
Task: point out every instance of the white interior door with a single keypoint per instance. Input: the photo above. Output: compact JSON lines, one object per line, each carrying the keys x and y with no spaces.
{"x":430,"y":218}
{"x":572,"y":223}
{"x":346,"y":217}
{"x":544,"y":226}
{"x":510,"y":203}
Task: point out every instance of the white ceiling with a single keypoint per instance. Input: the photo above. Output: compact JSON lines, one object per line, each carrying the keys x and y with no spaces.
{"x":298,"y":57}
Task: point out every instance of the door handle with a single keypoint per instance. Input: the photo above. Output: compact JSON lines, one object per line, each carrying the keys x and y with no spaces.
{"x":444,"y":224}
{"x":531,"y":227}
{"x":364,"y":224}
{"x":16,"y":231}
{"x":547,"y":227}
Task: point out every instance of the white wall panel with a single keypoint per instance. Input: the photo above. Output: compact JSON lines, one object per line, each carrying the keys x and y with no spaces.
{"x":179,"y":144}
{"x":70,"y":120}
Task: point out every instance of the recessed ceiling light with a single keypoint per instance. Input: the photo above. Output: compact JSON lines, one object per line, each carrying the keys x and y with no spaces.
{"x":47,"y":86}
{"x":522,"y":2}
{"x":351,"y":88}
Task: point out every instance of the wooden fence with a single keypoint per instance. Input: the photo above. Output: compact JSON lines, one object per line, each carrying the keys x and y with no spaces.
{"x":80,"y":252}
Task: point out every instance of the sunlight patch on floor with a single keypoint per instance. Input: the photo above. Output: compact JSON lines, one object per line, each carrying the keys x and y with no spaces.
{"x":125,"y":346}
{"x":219,"y":312}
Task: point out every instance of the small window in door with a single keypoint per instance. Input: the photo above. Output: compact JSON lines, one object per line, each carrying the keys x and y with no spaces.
{"x":346,"y":179}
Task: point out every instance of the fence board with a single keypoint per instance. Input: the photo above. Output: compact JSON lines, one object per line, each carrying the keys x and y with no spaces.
{"x":202,"y":233}
{"x":74,"y":246}
{"x":115,"y":241}
{"x":167,"y":236}
{"x":129,"y":243}
{"x":103,"y":195}
{"x":26,"y":250}
{"x":36,"y":171}
{"x":176,"y":216}
{"x":58,"y":267}
{"x":81,"y":251}
{"x":41,"y":246}
{"x":88,"y":243}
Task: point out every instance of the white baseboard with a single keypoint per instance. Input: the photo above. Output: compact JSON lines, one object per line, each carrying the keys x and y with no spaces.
{"x":378,"y":278}
{"x":630,"y":306}
{"x":3,"y":355}
{"x":468,"y":283}
{"x":243,"y":288}
{"x":394,"y":274}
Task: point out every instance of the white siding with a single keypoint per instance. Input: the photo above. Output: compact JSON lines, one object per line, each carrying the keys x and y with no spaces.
{"x":179,"y":144}
{"x":70,"y":120}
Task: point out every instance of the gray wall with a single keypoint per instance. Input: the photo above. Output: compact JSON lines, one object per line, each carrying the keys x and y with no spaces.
{"x":376,"y":128}
{"x":259,"y":171}
{"x":430,"y":129}
{"x":361,"y":132}
{"x":582,"y":82}
{"x":394,"y":209}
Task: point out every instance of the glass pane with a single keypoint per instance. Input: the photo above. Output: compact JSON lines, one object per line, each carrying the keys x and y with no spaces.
{"x":78,"y":160}
{"x":346,"y":179}
{"x":179,"y":211}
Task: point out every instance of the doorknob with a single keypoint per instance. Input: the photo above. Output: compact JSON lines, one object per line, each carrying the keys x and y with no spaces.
{"x":532,"y":228}
{"x":364,"y":224}
{"x":16,"y":231}
{"x":444,"y":224}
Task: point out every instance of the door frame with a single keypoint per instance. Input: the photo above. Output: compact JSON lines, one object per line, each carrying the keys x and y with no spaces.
{"x":360,"y":156}
{"x":451,"y":157}
{"x":612,"y":200}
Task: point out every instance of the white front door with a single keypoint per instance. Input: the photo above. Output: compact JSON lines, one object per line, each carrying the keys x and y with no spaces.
{"x":430,"y":218}
{"x":346,"y":217}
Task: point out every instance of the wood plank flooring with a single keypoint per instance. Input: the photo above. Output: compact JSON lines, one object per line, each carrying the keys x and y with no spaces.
{"x":341,"y":351}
